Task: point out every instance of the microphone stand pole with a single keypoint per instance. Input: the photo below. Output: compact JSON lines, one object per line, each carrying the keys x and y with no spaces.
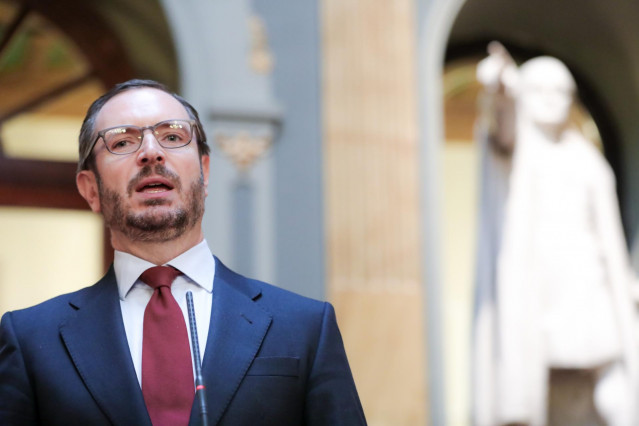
{"x":200,"y":389}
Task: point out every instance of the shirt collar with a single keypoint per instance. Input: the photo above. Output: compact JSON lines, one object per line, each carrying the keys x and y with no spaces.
{"x":197,"y":263}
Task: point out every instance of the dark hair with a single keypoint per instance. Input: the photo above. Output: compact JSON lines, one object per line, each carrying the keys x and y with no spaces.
{"x":88,"y":135}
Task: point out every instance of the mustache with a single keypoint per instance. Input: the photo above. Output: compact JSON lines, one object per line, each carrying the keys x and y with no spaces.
{"x":159,"y":170}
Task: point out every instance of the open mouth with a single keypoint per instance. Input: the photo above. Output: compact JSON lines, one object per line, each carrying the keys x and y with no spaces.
{"x":152,"y":186}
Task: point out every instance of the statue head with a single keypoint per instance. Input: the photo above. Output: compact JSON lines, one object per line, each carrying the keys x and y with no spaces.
{"x":546,"y":92}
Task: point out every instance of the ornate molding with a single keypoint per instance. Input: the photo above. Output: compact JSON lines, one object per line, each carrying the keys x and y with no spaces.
{"x":243,"y":147}
{"x":244,"y":135}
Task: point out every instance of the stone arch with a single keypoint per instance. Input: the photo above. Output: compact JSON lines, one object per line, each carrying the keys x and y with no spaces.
{"x":435,"y":21}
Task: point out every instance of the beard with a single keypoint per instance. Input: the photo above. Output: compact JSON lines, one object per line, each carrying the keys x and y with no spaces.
{"x":153,"y":225}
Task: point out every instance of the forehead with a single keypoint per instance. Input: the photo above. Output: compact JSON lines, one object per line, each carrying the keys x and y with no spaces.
{"x":140,"y":107}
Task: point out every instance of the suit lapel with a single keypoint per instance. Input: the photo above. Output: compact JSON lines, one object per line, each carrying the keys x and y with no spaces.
{"x":238,"y":326}
{"x":95,"y":338}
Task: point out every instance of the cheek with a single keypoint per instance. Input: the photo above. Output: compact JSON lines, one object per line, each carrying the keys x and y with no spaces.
{"x":115,"y":171}
{"x":189,"y":170}
{"x":113,"y":187}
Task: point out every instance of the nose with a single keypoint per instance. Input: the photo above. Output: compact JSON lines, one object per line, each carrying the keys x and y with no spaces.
{"x":150,"y":151}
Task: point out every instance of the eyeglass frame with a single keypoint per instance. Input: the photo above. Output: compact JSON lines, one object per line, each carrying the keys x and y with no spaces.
{"x":101,"y":133}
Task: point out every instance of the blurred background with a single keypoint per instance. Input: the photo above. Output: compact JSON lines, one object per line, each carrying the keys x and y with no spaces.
{"x":343,"y":167}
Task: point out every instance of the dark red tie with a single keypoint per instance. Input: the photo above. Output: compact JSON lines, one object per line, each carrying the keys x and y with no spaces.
{"x":167,"y":372}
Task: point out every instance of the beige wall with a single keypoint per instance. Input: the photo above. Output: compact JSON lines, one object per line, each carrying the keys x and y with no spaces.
{"x":459,"y":212}
{"x":46,"y":252}
{"x":42,"y":137}
{"x":372,"y":211}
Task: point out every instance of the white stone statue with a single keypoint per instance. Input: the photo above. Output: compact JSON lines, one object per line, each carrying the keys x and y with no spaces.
{"x":562,"y":278}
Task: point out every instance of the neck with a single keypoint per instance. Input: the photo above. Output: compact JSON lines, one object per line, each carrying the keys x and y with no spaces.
{"x":157,"y":253}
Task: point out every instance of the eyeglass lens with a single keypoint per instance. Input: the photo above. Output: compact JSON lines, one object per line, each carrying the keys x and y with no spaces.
{"x":127,"y":139}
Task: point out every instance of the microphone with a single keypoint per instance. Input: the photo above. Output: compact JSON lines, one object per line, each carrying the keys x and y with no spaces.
{"x":199,"y":382}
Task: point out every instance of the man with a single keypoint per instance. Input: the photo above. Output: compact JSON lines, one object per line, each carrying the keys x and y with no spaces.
{"x":114,"y":353}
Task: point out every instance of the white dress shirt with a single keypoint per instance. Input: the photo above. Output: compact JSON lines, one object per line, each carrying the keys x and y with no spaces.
{"x":198,"y":268}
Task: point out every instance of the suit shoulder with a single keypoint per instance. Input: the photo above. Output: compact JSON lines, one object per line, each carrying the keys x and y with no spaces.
{"x":269,"y":295}
{"x":277,"y":295}
{"x":55,"y":308}
{"x":35,"y":317}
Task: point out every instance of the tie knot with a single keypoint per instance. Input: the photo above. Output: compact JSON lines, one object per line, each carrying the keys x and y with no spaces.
{"x":159,"y":276}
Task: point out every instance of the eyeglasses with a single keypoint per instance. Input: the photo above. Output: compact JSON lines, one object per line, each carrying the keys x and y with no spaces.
{"x":171,"y":134}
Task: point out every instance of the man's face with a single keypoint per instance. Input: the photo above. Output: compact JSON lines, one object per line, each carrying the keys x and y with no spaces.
{"x":154,"y":194}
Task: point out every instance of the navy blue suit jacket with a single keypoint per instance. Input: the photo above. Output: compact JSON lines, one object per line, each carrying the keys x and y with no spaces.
{"x":272,"y":358}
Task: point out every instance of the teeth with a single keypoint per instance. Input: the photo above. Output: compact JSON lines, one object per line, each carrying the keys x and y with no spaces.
{"x":155,"y":187}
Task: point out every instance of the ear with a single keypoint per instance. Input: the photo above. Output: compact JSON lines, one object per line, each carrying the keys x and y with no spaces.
{"x":205,"y":173}
{"x":88,"y":188}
